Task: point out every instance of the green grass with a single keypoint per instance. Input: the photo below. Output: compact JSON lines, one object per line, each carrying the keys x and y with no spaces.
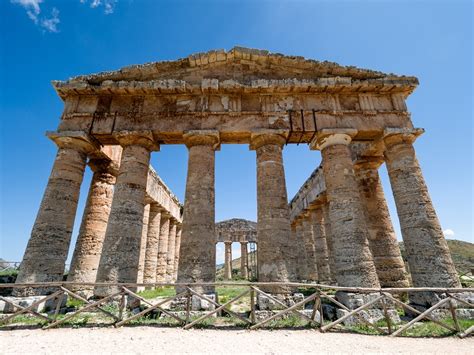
{"x":226,"y":293}
{"x":166,"y":291}
{"x":292,"y":321}
{"x":9,"y":272}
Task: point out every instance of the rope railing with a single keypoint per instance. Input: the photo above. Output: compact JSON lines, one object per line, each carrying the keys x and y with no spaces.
{"x":115,"y":307}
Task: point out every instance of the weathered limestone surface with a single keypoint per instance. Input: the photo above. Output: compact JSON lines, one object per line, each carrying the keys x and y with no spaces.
{"x":320,"y":245}
{"x":143,"y":242}
{"x":228,"y":261}
{"x":298,"y":250}
{"x":176,"y":252}
{"x":198,"y":255}
{"x":171,"y":251}
{"x":382,"y":239}
{"x":329,"y":241}
{"x":244,"y":260}
{"x":86,"y":257}
{"x":353,"y":261}
{"x":310,"y":249}
{"x":121,"y":252}
{"x":151,"y":254}
{"x":427,"y":251}
{"x":162,"y":260}
{"x":46,"y":252}
{"x":273,"y":229}
{"x":236,"y":230}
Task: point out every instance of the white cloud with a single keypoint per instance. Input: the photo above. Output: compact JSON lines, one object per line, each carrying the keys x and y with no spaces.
{"x":33,"y":11}
{"x":50,"y":24}
{"x":448,"y":233}
{"x":108,"y":5}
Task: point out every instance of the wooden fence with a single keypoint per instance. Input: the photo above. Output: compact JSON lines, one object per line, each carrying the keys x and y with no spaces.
{"x":317,"y":295}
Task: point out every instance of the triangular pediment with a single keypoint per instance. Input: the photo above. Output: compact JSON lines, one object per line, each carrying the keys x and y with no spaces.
{"x":240,"y":64}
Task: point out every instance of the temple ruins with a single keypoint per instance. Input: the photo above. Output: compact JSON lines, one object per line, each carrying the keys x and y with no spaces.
{"x":335,"y":230}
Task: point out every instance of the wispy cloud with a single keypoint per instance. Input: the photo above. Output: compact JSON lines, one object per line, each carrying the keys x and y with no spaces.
{"x":448,"y":233}
{"x":108,"y":5}
{"x":33,"y":10}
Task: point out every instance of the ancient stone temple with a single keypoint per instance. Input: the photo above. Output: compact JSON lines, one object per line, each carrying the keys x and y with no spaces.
{"x":337,"y":228}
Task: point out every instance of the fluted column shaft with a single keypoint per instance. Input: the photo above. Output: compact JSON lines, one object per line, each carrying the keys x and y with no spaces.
{"x":298,"y":248}
{"x":382,"y":239}
{"x":427,"y":250}
{"x":228,"y":260}
{"x":47,"y":249}
{"x":121,"y":252}
{"x":197,"y":262}
{"x":143,"y":242}
{"x":273,"y":226}
{"x":353,"y":260}
{"x":171,"y":252}
{"x":320,"y":245}
{"x":86,"y":257}
{"x":329,"y":241}
{"x":310,"y":249}
{"x":244,"y":261}
{"x":162,"y":260}
{"x":151,"y":253}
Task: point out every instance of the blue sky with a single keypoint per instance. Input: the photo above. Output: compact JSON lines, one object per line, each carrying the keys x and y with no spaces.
{"x":53,"y":40}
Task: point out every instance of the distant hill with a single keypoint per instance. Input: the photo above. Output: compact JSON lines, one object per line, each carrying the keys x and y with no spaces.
{"x":462,"y":254}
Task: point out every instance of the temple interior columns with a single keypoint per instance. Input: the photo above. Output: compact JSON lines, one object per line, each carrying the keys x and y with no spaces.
{"x":162,"y":256}
{"x":228,"y":261}
{"x":309,"y":248}
{"x":171,"y":251}
{"x":352,"y":257}
{"x":320,"y":244}
{"x":121,"y":252}
{"x":244,"y":261}
{"x":151,"y":254}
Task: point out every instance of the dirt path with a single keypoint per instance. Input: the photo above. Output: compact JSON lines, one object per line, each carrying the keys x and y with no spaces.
{"x":146,"y":340}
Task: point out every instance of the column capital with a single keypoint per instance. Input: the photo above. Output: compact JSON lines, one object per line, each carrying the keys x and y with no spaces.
{"x":263,"y":137}
{"x":394,"y":136}
{"x":202,"y":137}
{"x":141,"y":138}
{"x":77,"y":140}
{"x":104,"y":165}
{"x":332,"y":136}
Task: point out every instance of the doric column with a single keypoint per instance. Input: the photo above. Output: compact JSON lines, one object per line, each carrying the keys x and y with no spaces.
{"x":86,"y":257}
{"x":176,"y":252}
{"x":228,"y":260}
{"x":121,"y":252}
{"x":244,"y":261}
{"x":382,"y":239}
{"x":427,"y":251}
{"x":46,"y":252}
{"x":273,"y":227}
{"x":309,"y":248}
{"x":151,"y":253}
{"x":171,"y":251}
{"x":353,"y":260}
{"x":162,"y":260}
{"x":197,"y":262}
{"x":320,"y":245}
{"x":298,"y":248}
{"x":329,"y":239}
{"x":143,"y":242}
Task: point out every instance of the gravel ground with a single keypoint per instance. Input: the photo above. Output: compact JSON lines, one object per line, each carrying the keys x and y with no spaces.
{"x":146,"y":340}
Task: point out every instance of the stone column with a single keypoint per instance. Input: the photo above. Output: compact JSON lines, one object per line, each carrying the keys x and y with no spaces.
{"x":197,"y":262}
{"x":382,"y":239}
{"x":121,"y":252}
{"x":171,"y":251}
{"x":86,"y":257}
{"x":309,"y":248}
{"x":298,"y":248}
{"x":162,"y":260}
{"x":273,"y":228}
{"x":320,"y":245}
{"x":427,"y":251}
{"x":46,"y":252}
{"x":244,"y":261}
{"x":228,"y":261}
{"x":151,"y":253}
{"x":143,"y":242}
{"x":329,"y":239}
{"x":353,"y":260}
{"x":176,"y":252}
